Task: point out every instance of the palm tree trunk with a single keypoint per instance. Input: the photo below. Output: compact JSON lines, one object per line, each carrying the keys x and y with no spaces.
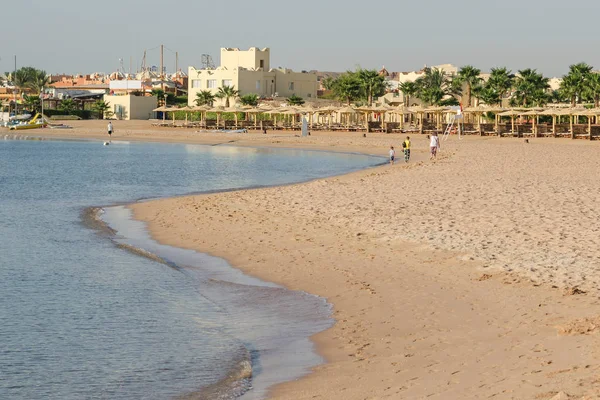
{"x":468,"y":95}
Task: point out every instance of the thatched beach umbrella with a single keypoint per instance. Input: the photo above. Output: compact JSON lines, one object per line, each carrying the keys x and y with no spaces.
{"x":366,"y":110}
{"x":589,"y":113}
{"x":420,"y":111}
{"x":310,"y":110}
{"x":328,"y":110}
{"x":401,"y":111}
{"x":553,"y":112}
{"x":511,"y":114}
{"x":255,"y":111}
{"x":437,"y":113}
{"x":218,"y":110}
{"x":235,"y":110}
{"x":532,"y":113}
{"x":381,"y":111}
{"x":202,"y":110}
{"x":162,"y":109}
{"x":347,"y":111}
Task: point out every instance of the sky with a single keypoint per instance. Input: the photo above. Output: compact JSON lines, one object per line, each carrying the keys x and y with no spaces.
{"x":80,"y":37}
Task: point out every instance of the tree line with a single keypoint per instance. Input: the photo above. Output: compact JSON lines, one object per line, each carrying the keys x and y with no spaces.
{"x":33,"y":80}
{"x":206,"y":97}
{"x":526,"y":88}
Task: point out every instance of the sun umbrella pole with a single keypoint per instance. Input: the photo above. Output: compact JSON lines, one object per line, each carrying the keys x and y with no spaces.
{"x":512,"y":119}
{"x":571,"y":126}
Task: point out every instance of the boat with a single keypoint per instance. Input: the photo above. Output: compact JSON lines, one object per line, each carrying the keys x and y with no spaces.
{"x":38,"y":121}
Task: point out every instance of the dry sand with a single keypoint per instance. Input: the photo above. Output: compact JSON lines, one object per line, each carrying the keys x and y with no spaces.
{"x":475,"y":276}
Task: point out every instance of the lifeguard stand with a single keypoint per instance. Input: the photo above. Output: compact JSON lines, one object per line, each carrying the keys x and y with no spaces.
{"x":456,"y":124}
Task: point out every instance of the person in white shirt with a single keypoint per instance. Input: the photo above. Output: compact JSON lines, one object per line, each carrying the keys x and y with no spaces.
{"x":434,"y":145}
{"x":110,"y":129}
{"x":392,"y":155}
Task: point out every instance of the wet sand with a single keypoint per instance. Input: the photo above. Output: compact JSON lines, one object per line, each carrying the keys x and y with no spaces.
{"x":474,"y":276}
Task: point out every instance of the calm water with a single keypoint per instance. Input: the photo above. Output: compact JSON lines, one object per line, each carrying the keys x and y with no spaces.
{"x":82,"y":317}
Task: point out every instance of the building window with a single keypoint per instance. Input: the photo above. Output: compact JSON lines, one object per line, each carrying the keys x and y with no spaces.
{"x":309,"y":95}
{"x":196,"y":83}
{"x":262,"y":63}
{"x":211,"y":83}
{"x":257,"y":85}
{"x":291,"y":86}
{"x":227,"y":82}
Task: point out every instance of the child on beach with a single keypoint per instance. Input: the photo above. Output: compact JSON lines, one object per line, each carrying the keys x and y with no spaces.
{"x":392,"y":155}
{"x":406,"y":146}
{"x":434,"y":145}
{"x":110,"y":129}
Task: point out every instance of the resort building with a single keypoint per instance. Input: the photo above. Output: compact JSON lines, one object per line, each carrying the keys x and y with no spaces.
{"x":127,"y":106}
{"x":250,"y":72}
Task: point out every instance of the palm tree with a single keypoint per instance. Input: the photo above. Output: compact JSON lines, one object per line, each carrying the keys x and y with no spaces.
{"x":39,"y":79}
{"x":530,"y":88}
{"x":432,"y":86}
{"x":501,"y":80}
{"x":23,"y":77}
{"x":294,"y":100}
{"x":67,"y":106}
{"x":32,"y":102}
{"x":574,"y":84}
{"x":372,"y":84}
{"x":100,"y":106}
{"x":160,"y":95}
{"x":347,"y":87}
{"x":249,"y":99}
{"x":468,"y":76}
{"x":486,"y":94}
{"x":205,"y":97}
{"x":593,"y":88}
{"x":408,"y":89}
{"x":227,"y":92}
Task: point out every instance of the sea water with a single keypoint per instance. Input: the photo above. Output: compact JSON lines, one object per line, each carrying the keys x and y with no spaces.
{"x":99,"y":314}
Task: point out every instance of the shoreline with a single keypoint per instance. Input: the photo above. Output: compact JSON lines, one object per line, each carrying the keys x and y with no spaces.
{"x":401,"y":303}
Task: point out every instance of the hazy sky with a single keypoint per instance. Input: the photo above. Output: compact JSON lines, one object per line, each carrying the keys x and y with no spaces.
{"x":83,"y":36}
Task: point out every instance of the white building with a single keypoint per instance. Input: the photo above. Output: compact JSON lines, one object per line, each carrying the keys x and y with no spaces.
{"x":250,"y":72}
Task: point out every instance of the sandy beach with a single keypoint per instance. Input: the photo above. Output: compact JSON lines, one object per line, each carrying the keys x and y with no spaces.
{"x":473,"y":276}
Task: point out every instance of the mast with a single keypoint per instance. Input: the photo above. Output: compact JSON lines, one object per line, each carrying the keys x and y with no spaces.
{"x":14,"y":78}
{"x":161,"y":62}
{"x":162,"y":76}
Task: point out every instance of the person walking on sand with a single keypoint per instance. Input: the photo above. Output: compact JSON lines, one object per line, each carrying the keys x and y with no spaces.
{"x":434,"y":145}
{"x":110,"y":129}
{"x":392,"y":155}
{"x":406,"y":147}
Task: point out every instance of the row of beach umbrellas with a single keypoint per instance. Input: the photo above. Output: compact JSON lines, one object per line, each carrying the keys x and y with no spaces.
{"x":328,"y":112}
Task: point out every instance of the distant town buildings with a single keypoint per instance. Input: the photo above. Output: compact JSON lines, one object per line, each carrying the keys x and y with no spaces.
{"x":250,"y":72}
